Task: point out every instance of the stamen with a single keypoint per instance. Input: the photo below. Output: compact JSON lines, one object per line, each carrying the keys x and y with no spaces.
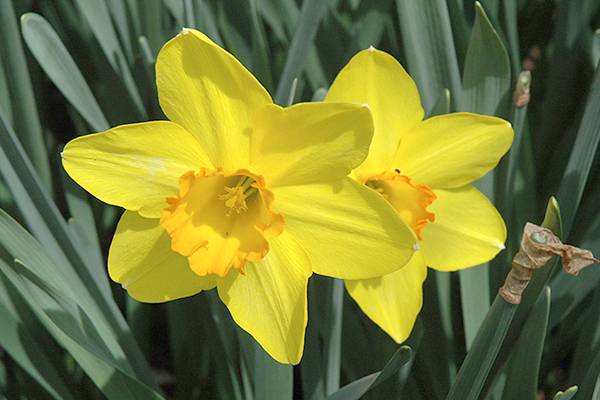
{"x":235,"y":197}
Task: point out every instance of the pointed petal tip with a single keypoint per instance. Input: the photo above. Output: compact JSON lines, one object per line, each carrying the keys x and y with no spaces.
{"x":184,"y":31}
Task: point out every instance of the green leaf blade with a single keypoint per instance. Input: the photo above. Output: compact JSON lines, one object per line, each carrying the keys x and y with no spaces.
{"x":524,"y":368}
{"x":58,"y":64}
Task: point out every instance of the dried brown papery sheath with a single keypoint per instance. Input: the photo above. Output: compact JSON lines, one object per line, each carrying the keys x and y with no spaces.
{"x":538,"y":246}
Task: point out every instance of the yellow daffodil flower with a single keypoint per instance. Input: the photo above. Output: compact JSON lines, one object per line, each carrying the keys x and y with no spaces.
{"x":423,"y":168}
{"x":237,"y":193}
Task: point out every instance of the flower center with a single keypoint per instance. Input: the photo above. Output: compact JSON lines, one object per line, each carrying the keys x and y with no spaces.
{"x":235,"y":197}
{"x":408,"y":199}
{"x":221,"y":220}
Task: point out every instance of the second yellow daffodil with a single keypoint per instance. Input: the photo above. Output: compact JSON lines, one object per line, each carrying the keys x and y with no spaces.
{"x":423,"y":168}
{"x":237,"y":193}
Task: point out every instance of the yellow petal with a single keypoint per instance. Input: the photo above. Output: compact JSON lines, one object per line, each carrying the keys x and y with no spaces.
{"x":310,"y":142}
{"x":453,"y":150}
{"x":348,"y":230}
{"x":269,"y":301}
{"x":141,"y":260}
{"x":467,"y":230}
{"x":210,"y":93}
{"x":393,"y":301}
{"x":134,"y":166}
{"x":375,"y":78}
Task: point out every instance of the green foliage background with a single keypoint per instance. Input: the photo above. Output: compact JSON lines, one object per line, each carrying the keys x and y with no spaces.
{"x":70,"y":67}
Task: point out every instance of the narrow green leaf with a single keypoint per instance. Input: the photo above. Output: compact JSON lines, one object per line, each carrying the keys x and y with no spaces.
{"x":356,"y":389}
{"x":56,"y":61}
{"x":73,"y":329}
{"x":524,"y":367}
{"x":273,"y":13}
{"x":188,"y":14}
{"x":507,"y":193}
{"x":580,"y":161}
{"x":484,"y":350}
{"x":118,"y":12}
{"x":481,"y":362}
{"x":47,"y":224}
{"x":272,"y":381}
{"x":139,"y":318}
{"x":310,"y":16}
{"x":292,"y":98}
{"x":205,"y":20}
{"x":312,"y":365}
{"x":245,"y":362}
{"x":5,"y":102}
{"x":228,"y":346}
{"x":98,"y":18}
{"x":437,"y":317}
{"x":567,"y":291}
{"x":282,"y":17}
{"x":333,"y":336}
{"x":41,"y":214}
{"x":486,"y":76}
{"x":24,"y":110}
{"x":83,"y":228}
{"x":475,"y":299}
{"x":596,"y":48}
{"x":512,"y":159}
{"x":429,"y":48}
{"x":151,"y":15}
{"x":371,"y":21}
{"x":231,"y":28}
{"x":3,"y":379}
{"x":443,"y":104}
{"x":510,"y":11}
{"x":28,"y":353}
{"x":561,"y":91}
{"x":486,"y":80}
{"x":475,"y":296}
{"x":147,"y":54}
{"x":189,"y":339}
{"x":260,"y":48}
{"x":460,"y":27}
{"x":70,"y":315}
{"x":539,"y":280}
{"x":588,"y":343}
{"x":176,"y":9}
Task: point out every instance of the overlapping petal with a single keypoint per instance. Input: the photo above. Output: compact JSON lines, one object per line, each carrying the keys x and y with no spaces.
{"x":141,"y":260}
{"x":134,"y":166}
{"x":375,"y":78}
{"x":269,"y":301}
{"x":392,"y":301}
{"x":467,"y":231}
{"x":349,"y":230}
{"x":309,"y":142}
{"x":452,"y":150}
{"x":210,"y":93}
